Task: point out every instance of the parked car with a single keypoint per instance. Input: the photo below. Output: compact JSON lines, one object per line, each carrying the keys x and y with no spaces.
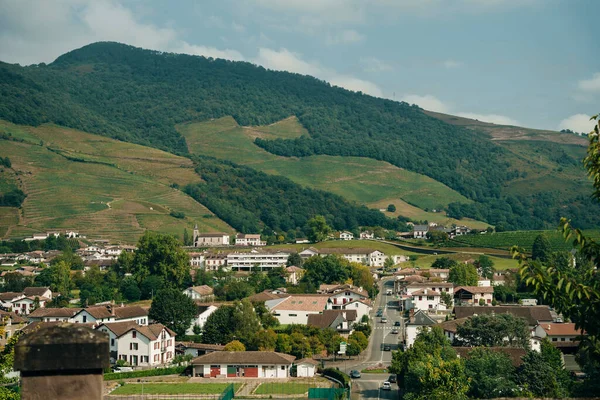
{"x":387,"y":347}
{"x":397,"y":323}
{"x":386,"y":386}
{"x":354,"y":374}
{"x":394,"y":331}
{"x":392,"y":379}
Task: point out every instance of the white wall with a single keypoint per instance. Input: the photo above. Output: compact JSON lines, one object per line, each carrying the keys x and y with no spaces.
{"x":201,"y":319}
{"x":287,"y":317}
{"x":305,"y":370}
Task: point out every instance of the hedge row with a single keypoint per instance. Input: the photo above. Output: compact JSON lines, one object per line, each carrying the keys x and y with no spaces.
{"x":143,"y":373}
{"x":337,"y":374}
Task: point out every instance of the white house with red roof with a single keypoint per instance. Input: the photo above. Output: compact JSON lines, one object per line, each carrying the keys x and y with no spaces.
{"x":559,"y":334}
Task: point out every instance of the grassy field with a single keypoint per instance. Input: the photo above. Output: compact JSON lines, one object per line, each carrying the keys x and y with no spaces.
{"x":424,"y":261}
{"x":524,"y":239}
{"x":172,"y":388}
{"x":115,"y":191}
{"x":364,"y":244}
{"x":282,"y":388}
{"x":359,"y":179}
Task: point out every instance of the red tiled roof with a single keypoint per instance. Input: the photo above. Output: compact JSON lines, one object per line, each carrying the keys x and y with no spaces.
{"x":560,"y":329}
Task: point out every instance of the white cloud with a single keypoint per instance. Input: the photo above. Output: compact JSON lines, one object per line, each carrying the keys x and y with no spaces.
{"x":452,"y":64}
{"x":357,"y":85}
{"x":590,"y":85}
{"x":373,"y":64}
{"x":432,"y":103}
{"x":238,"y":27}
{"x":580,"y":123}
{"x":39,"y":30}
{"x":492,"y":118}
{"x":208,"y":51}
{"x":285,"y":60}
{"x":345,"y":37}
{"x":427,"y":102}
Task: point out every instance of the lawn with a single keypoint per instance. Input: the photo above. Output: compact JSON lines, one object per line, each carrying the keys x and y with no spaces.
{"x":283,"y":388}
{"x":359,"y":179}
{"x":172,"y":388}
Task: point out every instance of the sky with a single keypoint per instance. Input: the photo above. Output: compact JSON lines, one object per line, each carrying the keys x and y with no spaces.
{"x":533,"y":63}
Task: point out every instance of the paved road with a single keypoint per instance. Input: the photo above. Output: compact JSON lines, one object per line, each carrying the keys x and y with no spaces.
{"x":370,"y":384}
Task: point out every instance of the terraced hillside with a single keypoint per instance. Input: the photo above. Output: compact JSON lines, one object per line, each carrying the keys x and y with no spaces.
{"x":101,"y":187}
{"x":364,"y":180}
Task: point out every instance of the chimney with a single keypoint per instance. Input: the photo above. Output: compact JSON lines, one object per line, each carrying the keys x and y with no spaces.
{"x":549,"y":326}
{"x":425,"y":291}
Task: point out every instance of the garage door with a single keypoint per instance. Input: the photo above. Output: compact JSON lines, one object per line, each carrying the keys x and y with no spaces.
{"x":231,"y":371}
{"x":215,"y":371}
{"x":251,"y":372}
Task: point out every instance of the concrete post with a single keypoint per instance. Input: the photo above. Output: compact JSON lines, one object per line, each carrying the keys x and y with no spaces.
{"x":62,"y":361}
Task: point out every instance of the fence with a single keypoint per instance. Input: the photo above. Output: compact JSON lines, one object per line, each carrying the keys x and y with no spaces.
{"x":327,"y":393}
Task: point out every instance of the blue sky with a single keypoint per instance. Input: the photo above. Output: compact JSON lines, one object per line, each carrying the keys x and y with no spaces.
{"x":534,"y":63}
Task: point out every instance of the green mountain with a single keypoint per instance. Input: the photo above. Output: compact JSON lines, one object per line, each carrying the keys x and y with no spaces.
{"x":141,"y":96}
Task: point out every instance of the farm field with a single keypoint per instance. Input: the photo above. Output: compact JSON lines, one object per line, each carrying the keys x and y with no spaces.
{"x":524,"y":239}
{"x":172,"y":388}
{"x":363,"y":180}
{"x":101,"y":196}
{"x":417,"y":214}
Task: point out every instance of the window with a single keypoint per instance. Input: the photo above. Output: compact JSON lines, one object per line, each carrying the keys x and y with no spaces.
{"x":112,"y":342}
{"x":562,"y":339}
{"x":84,"y":319}
{"x":134,"y":334}
{"x":293,"y":315}
{"x":420,"y":298}
{"x":133,"y":346}
{"x":554,"y":339}
{"x":283,"y":367}
{"x":430,"y":306}
{"x":431,"y":298}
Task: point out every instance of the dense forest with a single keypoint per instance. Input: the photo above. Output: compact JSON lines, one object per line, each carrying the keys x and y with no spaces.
{"x":140,"y":95}
{"x":251,"y":201}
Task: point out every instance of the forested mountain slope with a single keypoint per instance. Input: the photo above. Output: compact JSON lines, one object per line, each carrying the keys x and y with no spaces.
{"x":140,"y":95}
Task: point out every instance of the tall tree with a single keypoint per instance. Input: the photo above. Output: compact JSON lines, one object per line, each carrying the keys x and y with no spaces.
{"x":318,"y":230}
{"x":541,"y":249}
{"x":173,"y":309}
{"x":491,"y":374}
{"x":463,"y":275}
{"x":294,"y":259}
{"x":494,"y":330}
{"x":485,"y":265}
{"x":161,"y":255}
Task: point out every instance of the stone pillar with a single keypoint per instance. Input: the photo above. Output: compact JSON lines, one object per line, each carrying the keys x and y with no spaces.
{"x":62,"y":361}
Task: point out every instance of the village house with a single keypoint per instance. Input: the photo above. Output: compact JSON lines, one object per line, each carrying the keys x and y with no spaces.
{"x":246,"y":261}
{"x":26,"y":305}
{"x":145,"y":346}
{"x":362,"y":307}
{"x":53,"y":315}
{"x":10,"y":323}
{"x":111,"y":313}
{"x":367,"y":235}
{"x":243,"y":364}
{"x":562,"y":335}
{"x":295,"y":309}
{"x":420,"y":231}
{"x":243,"y":239}
{"x":196,"y":260}
{"x":464,"y":295}
{"x":203,"y":311}
{"x":345,"y":294}
{"x":7,"y":298}
{"x":38,"y":292}
{"x":417,"y":321}
{"x":484,"y":282}
{"x":450,"y":327}
{"x":345,"y":235}
{"x":368,"y":257}
{"x":214,"y":262}
{"x":210,"y":239}
{"x":200,"y":293}
{"x":294,"y":275}
{"x":339,"y":320}
{"x":425,"y":299}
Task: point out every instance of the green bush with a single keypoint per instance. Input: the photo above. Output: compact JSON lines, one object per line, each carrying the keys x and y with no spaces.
{"x":177,"y":214}
{"x":148,"y":372}
{"x":337,"y":374}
